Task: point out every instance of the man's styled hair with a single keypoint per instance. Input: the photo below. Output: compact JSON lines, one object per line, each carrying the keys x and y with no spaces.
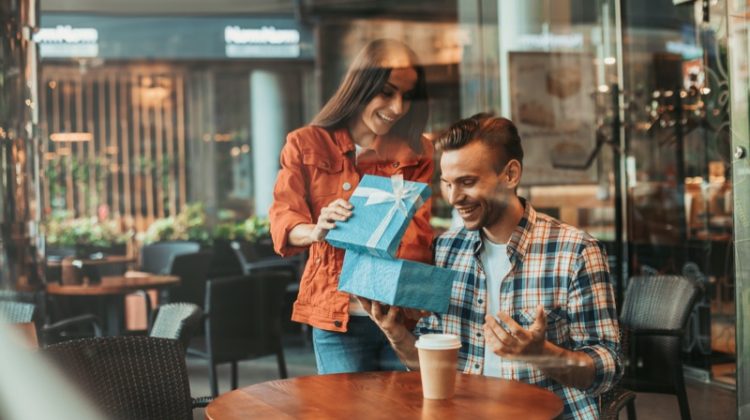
{"x":497,"y":133}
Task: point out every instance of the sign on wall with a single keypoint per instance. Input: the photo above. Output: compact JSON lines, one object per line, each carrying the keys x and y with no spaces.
{"x":173,"y":37}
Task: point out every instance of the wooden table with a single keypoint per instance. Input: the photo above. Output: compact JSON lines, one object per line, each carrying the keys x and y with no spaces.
{"x":109,"y":259}
{"x":114,"y":285}
{"x":111,"y":289}
{"x":385,"y":395}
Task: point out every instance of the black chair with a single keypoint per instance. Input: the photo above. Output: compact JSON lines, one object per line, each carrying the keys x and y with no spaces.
{"x":243,"y":321}
{"x":177,"y":321}
{"x":613,"y":401}
{"x":14,"y":312}
{"x":130,"y":377}
{"x":157,"y":257}
{"x":192,"y":269}
{"x":251,"y":259}
{"x":654,"y":315}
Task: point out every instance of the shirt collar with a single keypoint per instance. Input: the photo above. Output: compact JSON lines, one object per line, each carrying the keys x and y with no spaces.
{"x":520,"y":239}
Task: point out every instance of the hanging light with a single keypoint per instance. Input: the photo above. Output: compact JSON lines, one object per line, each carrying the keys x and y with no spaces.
{"x":72,"y":137}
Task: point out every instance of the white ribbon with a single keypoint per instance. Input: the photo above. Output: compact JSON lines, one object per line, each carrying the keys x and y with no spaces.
{"x":399,"y":197}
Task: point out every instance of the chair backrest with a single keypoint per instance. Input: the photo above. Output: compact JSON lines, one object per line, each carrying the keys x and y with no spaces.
{"x":177,"y":321}
{"x":7,"y":295}
{"x":129,"y":377}
{"x":244,"y":314}
{"x":252,"y":258}
{"x":192,"y":268}
{"x":659,"y":302}
{"x":157,"y":257}
{"x":16,"y":312}
{"x":654,"y":314}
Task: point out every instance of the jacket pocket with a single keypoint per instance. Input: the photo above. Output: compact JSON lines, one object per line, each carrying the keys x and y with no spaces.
{"x":326,"y":174}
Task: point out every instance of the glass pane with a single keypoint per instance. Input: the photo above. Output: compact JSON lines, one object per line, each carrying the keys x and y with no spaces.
{"x":739,"y":45}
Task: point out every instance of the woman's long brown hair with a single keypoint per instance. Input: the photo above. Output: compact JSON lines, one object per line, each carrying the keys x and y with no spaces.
{"x":365,"y":78}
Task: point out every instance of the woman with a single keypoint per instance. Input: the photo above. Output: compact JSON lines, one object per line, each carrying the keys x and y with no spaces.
{"x":373,"y":124}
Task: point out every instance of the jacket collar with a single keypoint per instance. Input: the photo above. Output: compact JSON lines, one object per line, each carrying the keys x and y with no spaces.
{"x":386,"y":148}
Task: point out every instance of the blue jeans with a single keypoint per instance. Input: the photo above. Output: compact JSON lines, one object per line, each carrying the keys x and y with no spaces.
{"x":363,"y":348}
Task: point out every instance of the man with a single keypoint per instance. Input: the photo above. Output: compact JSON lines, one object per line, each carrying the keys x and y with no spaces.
{"x":535,"y":303}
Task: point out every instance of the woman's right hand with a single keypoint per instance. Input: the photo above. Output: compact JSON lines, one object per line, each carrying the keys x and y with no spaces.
{"x":338,"y":210}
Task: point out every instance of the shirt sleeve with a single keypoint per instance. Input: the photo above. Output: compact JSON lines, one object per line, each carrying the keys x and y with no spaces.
{"x":593,"y":318}
{"x":417,"y":242}
{"x":289,"y":207}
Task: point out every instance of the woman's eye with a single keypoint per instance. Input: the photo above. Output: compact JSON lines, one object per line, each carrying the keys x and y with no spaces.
{"x":387,"y":93}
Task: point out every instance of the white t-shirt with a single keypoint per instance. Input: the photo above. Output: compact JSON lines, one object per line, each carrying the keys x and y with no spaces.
{"x":496,"y":265}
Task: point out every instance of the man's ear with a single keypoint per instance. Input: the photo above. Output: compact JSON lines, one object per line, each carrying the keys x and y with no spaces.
{"x":513,"y":173}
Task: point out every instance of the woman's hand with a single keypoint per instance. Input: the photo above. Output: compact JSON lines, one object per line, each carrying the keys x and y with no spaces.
{"x":338,"y":210}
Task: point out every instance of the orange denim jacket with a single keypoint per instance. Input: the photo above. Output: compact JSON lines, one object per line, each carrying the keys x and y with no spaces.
{"x":317,"y":167}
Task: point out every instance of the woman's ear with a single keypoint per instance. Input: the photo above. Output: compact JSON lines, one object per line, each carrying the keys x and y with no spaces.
{"x":513,"y":173}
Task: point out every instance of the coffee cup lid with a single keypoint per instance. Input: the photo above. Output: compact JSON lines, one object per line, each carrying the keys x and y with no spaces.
{"x":438,"y":342}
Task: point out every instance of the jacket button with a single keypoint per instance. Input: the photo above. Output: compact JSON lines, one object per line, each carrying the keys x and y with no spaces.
{"x":395,"y":164}
{"x":347,"y":186}
{"x":337,"y":324}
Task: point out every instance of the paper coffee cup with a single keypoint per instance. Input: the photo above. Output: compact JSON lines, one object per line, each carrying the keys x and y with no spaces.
{"x":438,"y":355}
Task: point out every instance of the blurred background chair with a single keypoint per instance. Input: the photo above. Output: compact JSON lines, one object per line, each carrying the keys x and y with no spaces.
{"x":253,"y":258}
{"x":654,"y":315}
{"x":157,"y":257}
{"x":130,"y":377}
{"x":177,"y":321}
{"x":15,"y":312}
{"x":243,"y":321}
{"x":192,"y":269}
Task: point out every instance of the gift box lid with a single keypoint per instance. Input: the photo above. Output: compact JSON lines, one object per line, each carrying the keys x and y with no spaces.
{"x":383,"y":209}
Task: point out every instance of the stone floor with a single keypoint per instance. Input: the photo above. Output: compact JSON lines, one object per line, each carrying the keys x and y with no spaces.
{"x":707,"y":401}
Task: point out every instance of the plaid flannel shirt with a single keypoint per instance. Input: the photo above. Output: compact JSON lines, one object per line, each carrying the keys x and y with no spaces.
{"x":554,"y":264}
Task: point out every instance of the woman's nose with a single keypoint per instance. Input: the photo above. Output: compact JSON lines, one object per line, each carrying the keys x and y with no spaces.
{"x":397,"y":104}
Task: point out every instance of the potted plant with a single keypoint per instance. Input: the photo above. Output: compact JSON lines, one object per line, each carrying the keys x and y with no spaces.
{"x":82,"y":237}
{"x":188,"y":225}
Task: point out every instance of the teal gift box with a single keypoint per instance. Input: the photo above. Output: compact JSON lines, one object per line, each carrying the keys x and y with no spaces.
{"x":383,"y":208}
{"x":403,"y":283}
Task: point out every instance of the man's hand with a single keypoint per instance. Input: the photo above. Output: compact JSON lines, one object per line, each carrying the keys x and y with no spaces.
{"x":390,"y":319}
{"x":515,"y":340}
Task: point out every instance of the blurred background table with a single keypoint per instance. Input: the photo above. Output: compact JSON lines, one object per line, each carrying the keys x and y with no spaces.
{"x":111,"y":290}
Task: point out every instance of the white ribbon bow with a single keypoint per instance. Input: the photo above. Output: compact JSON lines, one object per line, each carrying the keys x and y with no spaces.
{"x":400,"y":196}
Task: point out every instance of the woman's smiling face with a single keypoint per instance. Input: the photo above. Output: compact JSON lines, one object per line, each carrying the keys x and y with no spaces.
{"x":392,"y":103}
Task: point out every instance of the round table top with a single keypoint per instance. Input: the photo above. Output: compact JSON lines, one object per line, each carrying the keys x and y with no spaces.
{"x":114,"y":285}
{"x":384,"y":395}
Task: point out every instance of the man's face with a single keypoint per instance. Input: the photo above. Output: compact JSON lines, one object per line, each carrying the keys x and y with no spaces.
{"x":471,"y":184}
